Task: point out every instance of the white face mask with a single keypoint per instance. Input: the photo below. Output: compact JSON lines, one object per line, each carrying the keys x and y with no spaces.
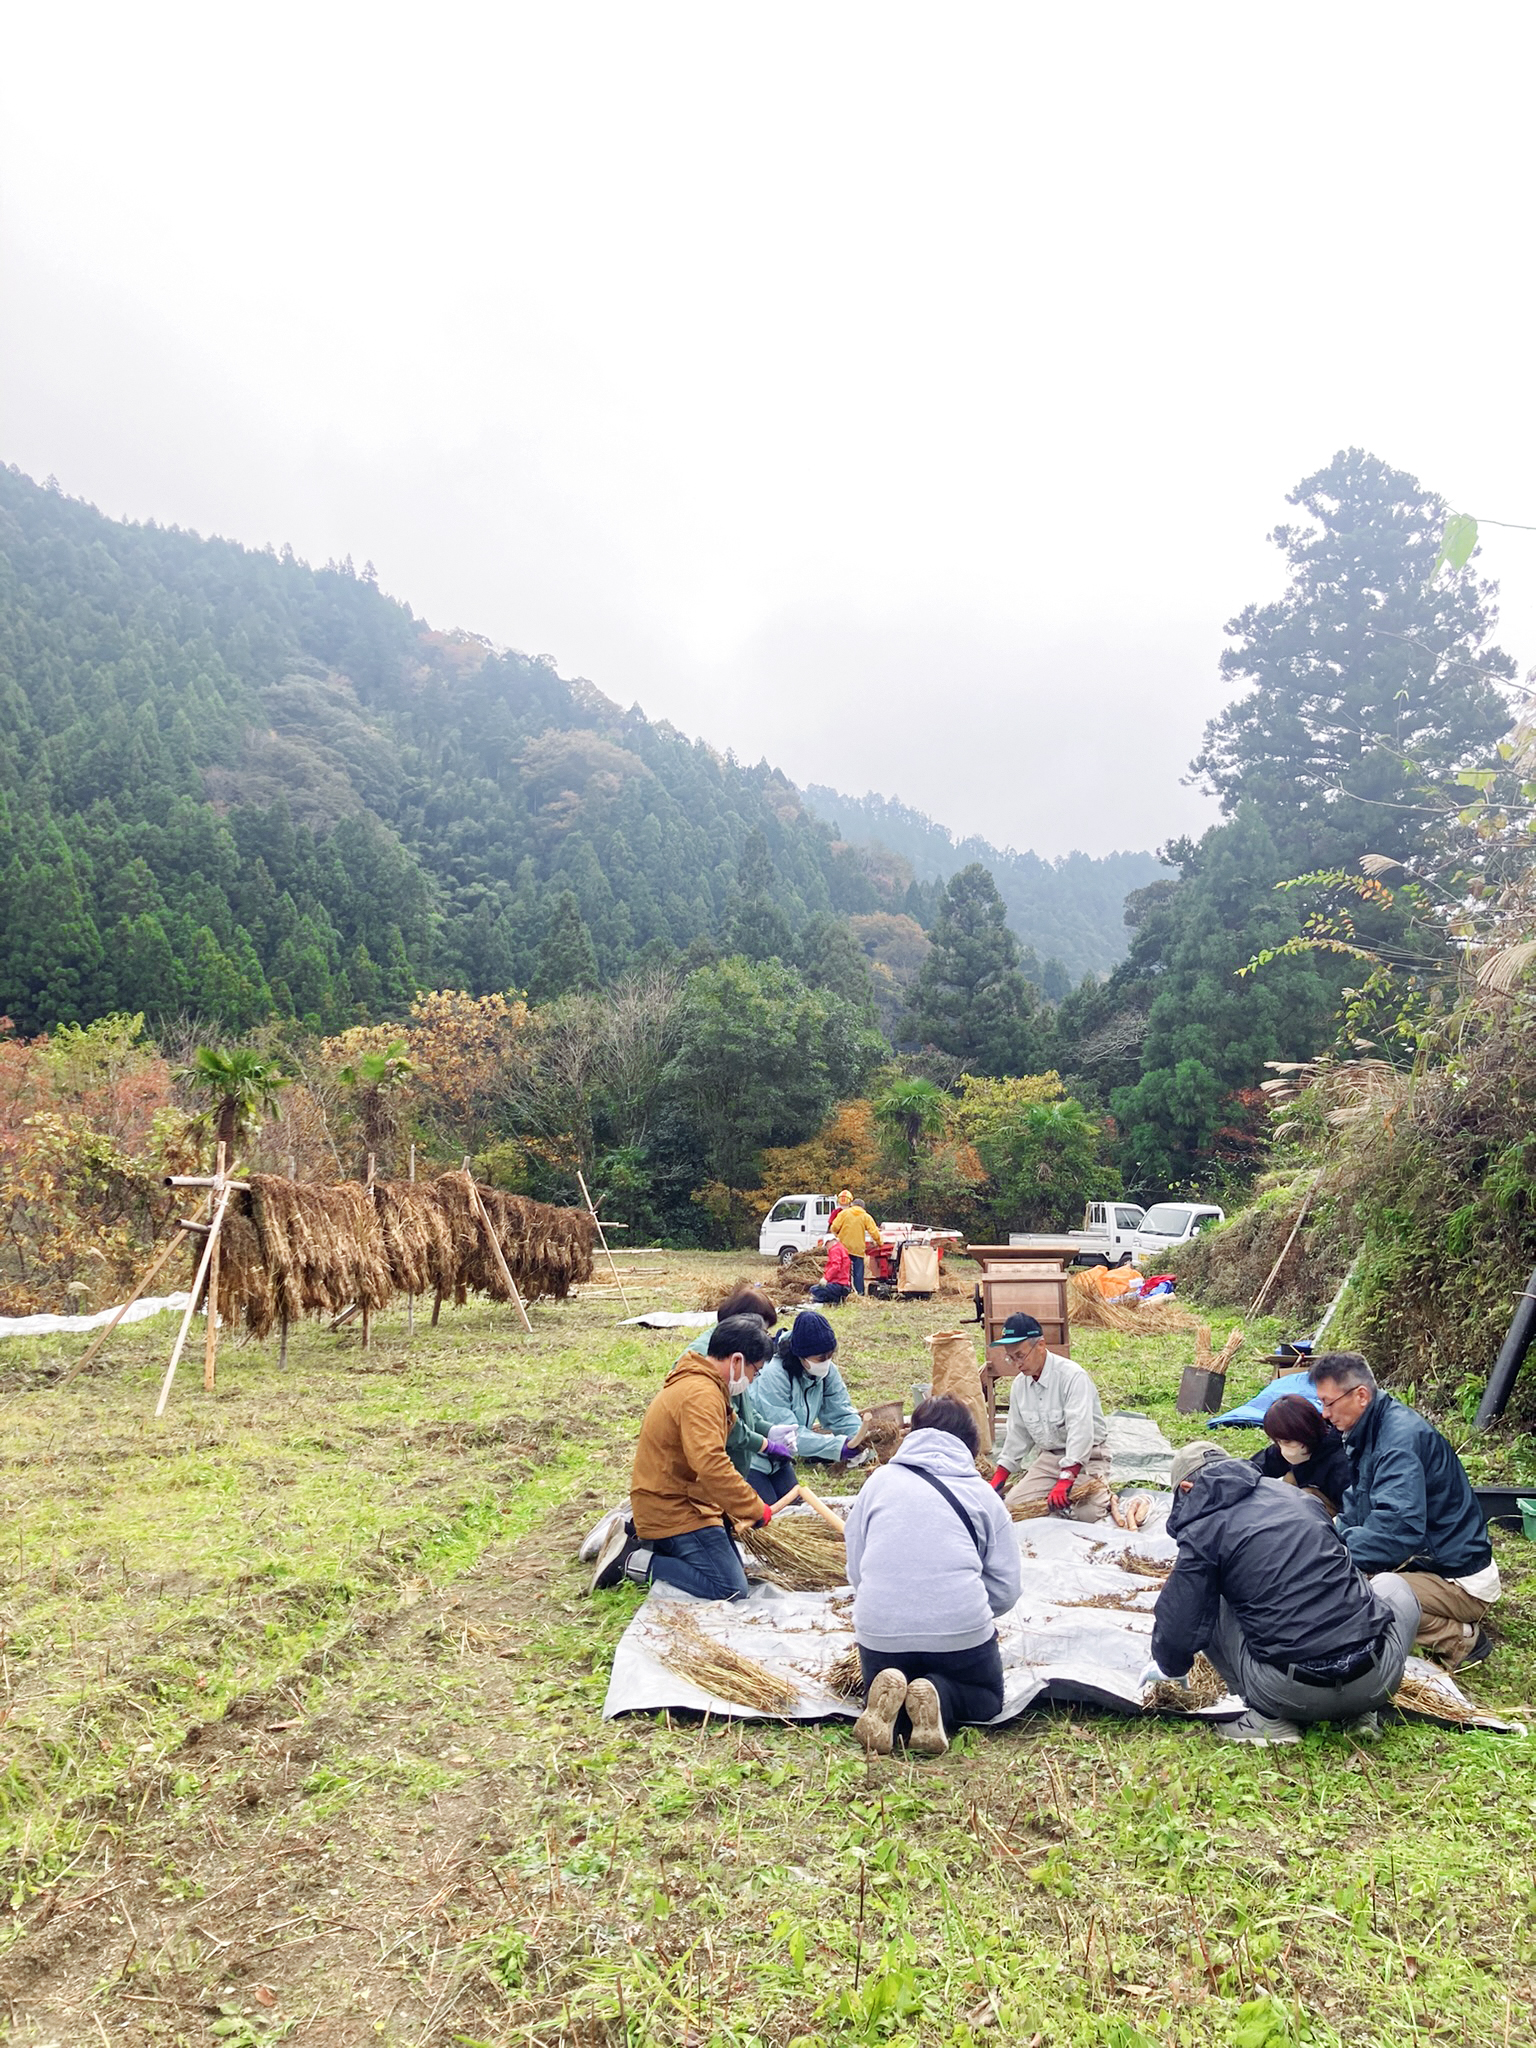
{"x":1294,"y":1454}
{"x":818,"y":1368}
{"x":739,"y":1382}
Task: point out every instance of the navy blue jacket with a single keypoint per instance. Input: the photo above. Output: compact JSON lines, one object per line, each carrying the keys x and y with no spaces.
{"x":1275,"y":1556}
{"x":1410,"y":1506}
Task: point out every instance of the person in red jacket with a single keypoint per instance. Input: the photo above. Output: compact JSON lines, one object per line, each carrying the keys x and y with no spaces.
{"x":832,"y":1288}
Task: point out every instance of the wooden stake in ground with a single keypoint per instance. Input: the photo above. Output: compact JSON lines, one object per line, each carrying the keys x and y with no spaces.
{"x":495,"y":1244}
{"x":85,"y":1358}
{"x":368,"y":1313}
{"x":603,"y":1241}
{"x":1274,"y":1272}
{"x":211,"y":1339}
{"x":197,"y":1285}
{"x":410,"y":1299}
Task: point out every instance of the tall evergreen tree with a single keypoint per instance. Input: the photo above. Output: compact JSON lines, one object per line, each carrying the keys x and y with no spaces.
{"x":567,"y":963}
{"x":971,"y":999}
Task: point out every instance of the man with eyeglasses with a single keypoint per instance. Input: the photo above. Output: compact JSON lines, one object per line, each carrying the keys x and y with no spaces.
{"x":1410,"y":1508}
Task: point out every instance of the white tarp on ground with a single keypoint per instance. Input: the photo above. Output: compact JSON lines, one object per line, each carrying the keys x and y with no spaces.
{"x":670,"y":1319}
{"x":49,"y":1326}
{"x":1054,"y":1646}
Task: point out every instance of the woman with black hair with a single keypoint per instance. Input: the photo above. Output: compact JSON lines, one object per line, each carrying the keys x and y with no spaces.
{"x":1304,"y":1450}
{"x":933,"y":1559}
{"x":801,"y":1388}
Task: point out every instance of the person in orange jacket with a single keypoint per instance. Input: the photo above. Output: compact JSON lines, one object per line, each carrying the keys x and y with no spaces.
{"x":684,"y":1490}
{"x":855,"y":1229}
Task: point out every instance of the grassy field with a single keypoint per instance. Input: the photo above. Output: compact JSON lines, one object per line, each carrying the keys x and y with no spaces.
{"x":301,"y":1704}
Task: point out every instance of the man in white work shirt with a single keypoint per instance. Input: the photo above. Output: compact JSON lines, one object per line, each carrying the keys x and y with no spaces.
{"x":1056,"y":1433}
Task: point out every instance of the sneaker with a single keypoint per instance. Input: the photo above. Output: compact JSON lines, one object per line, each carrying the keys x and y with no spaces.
{"x":1482,"y":1646}
{"x":1364,"y":1727}
{"x":593,"y":1543}
{"x":876,"y":1726}
{"x":928,"y":1737}
{"x":616,"y":1552}
{"x":1259,"y":1729}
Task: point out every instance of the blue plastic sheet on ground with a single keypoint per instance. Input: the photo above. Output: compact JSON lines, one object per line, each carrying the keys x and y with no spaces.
{"x":1252,"y":1412}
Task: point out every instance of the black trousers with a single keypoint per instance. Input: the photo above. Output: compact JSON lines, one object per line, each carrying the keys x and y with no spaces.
{"x":969,"y":1683}
{"x":772,"y":1486}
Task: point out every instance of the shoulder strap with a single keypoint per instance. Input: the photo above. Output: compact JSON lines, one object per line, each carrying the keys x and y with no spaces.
{"x":919,"y":1472}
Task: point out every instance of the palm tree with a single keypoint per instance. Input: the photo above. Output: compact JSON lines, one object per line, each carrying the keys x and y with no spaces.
{"x":373,"y":1078}
{"x":911,"y":1110}
{"x":244,"y":1085}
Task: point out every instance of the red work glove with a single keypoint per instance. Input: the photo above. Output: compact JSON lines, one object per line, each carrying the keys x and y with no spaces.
{"x":767,"y":1516}
{"x":1061,"y":1492}
{"x":1000,"y":1478}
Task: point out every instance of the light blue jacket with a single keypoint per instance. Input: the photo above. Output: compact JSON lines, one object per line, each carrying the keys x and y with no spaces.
{"x":776,"y":1397}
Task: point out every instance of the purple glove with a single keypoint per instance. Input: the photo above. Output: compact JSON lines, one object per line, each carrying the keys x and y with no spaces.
{"x":849,"y":1456}
{"x":782,"y":1441}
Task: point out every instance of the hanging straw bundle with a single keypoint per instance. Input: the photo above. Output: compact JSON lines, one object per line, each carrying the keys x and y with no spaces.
{"x":245,"y":1285}
{"x":418,"y":1241}
{"x":1082,"y":1489}
{"x":1204,"y":1687}
{"x":548,"y":1250}
{"x":801,"y":1555}
{"x":715,"y":1668}
{"x":298,"y":1250}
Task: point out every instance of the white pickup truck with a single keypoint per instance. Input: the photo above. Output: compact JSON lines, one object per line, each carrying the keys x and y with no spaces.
{"x":797,"y":1223}
{"x":1107,"y":1238}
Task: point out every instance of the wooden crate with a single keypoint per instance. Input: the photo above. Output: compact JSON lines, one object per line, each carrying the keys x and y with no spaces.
{"x":1037,"y":1288}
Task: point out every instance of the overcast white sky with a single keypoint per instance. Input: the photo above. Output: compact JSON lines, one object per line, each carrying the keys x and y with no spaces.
{"x":901,"y":392}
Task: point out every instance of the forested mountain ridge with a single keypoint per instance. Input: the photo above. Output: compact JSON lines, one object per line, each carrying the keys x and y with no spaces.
{"x":235,"y":784}
{"x":1070,"y":909}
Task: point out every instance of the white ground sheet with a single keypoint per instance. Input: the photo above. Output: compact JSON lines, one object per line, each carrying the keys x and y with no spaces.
{"x":48,"y":1326}
{"x":1052,"y":1648}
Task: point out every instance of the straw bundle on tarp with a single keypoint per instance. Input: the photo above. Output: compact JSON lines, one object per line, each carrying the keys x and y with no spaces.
{"x":1142,"y":1566}
{"x":418,"y":1241}
{"x":845,"y":1674}
{"x":1203,"y":1688}
{"x":1087,"y":1309}
{"x":715,"y":1668}
{"x":1082,"y":1489}
{"x":801,"y":1555}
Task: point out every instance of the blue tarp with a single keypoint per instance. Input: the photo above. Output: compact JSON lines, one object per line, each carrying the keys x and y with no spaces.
{"x":1252,"y":1412}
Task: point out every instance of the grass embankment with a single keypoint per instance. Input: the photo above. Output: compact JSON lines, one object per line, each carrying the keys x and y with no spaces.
{"x":302,"y":1740}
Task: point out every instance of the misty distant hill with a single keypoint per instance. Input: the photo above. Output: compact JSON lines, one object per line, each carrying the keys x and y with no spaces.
{"x":1070,"y":908}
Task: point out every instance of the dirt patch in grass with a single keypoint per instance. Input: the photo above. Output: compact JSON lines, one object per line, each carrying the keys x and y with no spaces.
{"x":303,"y":1741}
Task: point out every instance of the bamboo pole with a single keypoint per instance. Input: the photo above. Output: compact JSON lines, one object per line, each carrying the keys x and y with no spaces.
{"x":101,"y":1337}
{"x":410,"y":1299}
{"x":602,"y":1240}
{"x":368,"y":1313}
{"x":186,"y":1321}
{"x":211,"y":1335}
{"x":813,"y":1501}
{"x":495,"y":1244}
{"x":1274,"y":1272}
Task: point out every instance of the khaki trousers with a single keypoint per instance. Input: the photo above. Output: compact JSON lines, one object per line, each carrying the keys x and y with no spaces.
{"x":1447,"y":1613}
{"x":1037,"y":1479}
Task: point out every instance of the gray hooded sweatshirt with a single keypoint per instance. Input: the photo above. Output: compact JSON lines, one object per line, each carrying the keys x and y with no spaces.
{"x":919,"y":1582}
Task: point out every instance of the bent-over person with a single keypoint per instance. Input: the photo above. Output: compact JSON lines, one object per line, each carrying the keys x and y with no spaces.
{"x":1264,"y":1585}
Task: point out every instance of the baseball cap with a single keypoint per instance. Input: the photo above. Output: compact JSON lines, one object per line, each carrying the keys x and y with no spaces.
{"x":1019,"y":1329}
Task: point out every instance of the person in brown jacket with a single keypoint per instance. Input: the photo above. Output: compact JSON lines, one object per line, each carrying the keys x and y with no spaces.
{"x":684,"y":1490}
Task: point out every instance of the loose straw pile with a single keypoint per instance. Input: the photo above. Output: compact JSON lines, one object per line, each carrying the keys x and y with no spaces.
{"x":1204,"y":1687}
{"x":1088,"y":1309}
{"x":845,"y":1674}
{"x":798,"y":1554}
{"x":1418,"y":1696}
{"x":715,"y":1668}
{"x":1143,"y":1566}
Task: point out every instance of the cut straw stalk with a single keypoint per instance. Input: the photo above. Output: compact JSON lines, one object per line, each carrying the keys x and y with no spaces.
{"x":1144,"y":1567}
{"x":715,"y":1668}
{"x":1419,"y":1696}
{"x":845,"y":1674}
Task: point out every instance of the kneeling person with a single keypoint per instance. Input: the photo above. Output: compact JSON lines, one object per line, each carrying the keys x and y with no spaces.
{"x":684,"y":1489}
{"x":1264,"y":1585}
{"x":1056,"y":1431}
